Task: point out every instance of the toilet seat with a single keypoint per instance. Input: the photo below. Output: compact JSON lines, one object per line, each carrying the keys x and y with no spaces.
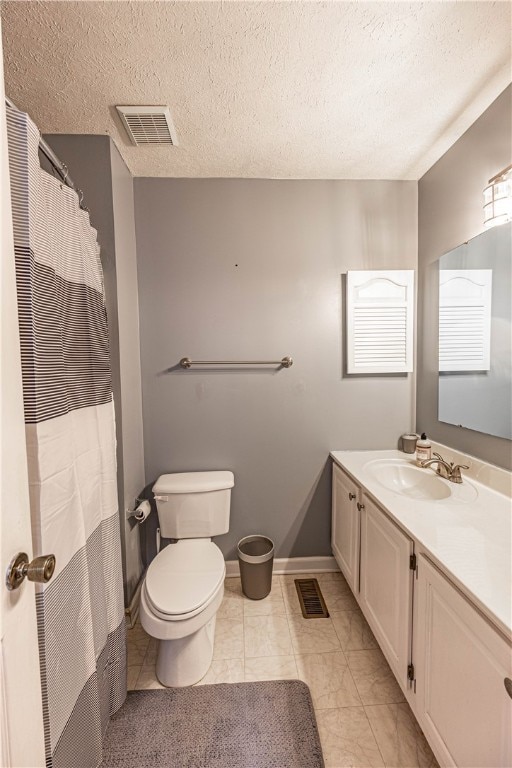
{"x":184,"y":578}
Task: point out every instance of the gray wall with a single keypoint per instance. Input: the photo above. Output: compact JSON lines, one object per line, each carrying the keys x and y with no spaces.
{"x":251,"y":269}
{"x":133,"y":479}
{"x":99,"y":171}
{"x":450,"y":212}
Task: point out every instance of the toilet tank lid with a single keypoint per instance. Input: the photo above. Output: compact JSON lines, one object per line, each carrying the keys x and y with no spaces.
{"x":194,"y":482}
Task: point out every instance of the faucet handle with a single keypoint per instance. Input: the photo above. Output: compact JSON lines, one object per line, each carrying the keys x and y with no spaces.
{"x":443,"y":470}
{"x":455,"y":475}
{"x":442,"y":466}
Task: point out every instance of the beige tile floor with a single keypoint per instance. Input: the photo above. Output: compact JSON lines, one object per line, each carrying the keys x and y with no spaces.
{"x":362,"y":716}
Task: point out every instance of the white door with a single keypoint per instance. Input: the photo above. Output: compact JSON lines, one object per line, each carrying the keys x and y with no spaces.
{"x":345,"y":526}
{"x":21,"y":724}
{"x":386,"y":585}
{"x":461,"y":666}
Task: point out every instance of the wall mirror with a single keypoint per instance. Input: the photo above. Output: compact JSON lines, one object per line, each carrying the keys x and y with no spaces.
{"x":475,"y":333}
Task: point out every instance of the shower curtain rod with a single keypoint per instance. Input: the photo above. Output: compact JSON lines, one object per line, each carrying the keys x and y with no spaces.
{"x":59,"y":166}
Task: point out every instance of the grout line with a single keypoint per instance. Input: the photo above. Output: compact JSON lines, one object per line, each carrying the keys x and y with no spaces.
{"x":137,"y":680}
{"x":243,"y":634}
{"x":146,"y":654}
{"x":291,"y":640}
{"x":374,"y":734}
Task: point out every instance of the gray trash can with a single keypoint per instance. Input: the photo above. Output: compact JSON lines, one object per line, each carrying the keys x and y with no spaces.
{"x":256,"y":558}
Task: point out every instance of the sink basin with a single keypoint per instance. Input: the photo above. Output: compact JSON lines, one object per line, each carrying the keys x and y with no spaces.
{"x":406,"y":479}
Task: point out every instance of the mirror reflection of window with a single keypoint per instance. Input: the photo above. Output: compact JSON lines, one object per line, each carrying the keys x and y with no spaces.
{"x":465,"y":297}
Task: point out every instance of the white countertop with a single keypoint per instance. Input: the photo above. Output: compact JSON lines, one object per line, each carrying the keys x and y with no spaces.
{"x":470,"y":540}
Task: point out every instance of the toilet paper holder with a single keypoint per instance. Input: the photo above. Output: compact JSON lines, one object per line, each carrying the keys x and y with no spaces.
{"x":141,"y":511}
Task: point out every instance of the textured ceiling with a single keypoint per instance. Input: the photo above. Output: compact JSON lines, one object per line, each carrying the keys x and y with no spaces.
{"x":272,"y":89}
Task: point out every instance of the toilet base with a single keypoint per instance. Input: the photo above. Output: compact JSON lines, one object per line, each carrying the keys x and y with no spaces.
{"x":184,"y":661}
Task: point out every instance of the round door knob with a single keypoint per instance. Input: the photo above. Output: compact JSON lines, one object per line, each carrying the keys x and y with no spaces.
{"x":351,"y":496}
{"x":40,"y":569}
{"x":360,"y":506}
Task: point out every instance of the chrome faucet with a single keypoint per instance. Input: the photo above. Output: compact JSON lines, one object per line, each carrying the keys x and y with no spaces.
{"x":450,"y":471}
{"x":443,"y":468}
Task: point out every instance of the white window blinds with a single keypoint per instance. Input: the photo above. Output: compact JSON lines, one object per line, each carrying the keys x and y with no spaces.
{"x":465,"y":319}
{"x":380,"y":321}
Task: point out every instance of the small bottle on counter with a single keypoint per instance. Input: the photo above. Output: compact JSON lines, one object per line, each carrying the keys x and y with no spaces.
{"x":423,"y":449}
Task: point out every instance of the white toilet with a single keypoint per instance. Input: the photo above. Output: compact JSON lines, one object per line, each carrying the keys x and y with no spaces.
{"x":184,"y":584}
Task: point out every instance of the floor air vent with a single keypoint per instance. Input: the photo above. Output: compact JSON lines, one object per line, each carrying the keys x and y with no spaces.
{"x":311,"y":599}
{"x":148,"y":125}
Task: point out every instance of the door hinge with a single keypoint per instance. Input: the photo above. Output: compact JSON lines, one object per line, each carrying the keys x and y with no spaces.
{"x":410,"y":672}
{"x":413,"y":564}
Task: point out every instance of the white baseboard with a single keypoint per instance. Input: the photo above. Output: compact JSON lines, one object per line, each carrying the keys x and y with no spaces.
{"x":292,"y":565}
{"x":281,"y":565}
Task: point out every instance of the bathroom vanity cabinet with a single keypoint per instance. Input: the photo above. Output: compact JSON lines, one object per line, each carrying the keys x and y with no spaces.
{"x":450,"y":659}
{"x":386,"y":585}
{"x":345,"y":529}
{"x":374,"y":555}
{"x":461,"y":664}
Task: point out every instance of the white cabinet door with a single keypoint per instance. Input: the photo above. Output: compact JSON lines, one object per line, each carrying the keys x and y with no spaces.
{"x":461,"y":665}
{"x":386,"y":584}
{"x":345,"y":526}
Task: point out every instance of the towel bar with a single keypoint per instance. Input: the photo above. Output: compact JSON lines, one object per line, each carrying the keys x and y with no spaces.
{"x":186,"y":362}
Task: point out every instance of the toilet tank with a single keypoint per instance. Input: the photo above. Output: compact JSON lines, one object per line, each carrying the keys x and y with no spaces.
{"x":193,"y":505}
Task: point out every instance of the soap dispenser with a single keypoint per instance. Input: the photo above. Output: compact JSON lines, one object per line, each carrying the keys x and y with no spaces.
{"x":423,"y":449}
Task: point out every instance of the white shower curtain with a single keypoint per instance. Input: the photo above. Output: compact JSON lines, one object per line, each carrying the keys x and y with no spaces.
{"x":70,"y":430}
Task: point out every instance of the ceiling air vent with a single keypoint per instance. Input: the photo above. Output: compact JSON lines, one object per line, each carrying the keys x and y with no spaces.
{"x":148,"y":125}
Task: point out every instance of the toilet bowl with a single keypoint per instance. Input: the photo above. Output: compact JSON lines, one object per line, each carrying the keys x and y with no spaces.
{"x":184,"y":584}
{"x":182,"y":592}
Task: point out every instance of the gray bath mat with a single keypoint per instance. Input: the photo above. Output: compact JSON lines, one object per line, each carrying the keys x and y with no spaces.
{"x":230,"y":725}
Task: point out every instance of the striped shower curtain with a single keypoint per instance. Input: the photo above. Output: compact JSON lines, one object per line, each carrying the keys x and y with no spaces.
{"x":70,"y":431}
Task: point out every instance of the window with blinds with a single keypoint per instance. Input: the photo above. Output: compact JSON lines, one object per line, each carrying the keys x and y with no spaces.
{"x":380,"y":321}
{"x":465,"y":319}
